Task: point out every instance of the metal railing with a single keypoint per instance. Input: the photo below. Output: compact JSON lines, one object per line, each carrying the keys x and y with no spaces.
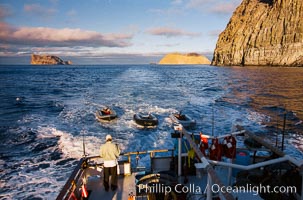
{"x":71,"y":185}
{"x":212,"y":176}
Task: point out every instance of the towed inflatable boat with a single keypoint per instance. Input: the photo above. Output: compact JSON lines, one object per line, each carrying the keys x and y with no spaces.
{"x":145,"y":119}
{"x":185,"y":120}
{"x":106,"y":114}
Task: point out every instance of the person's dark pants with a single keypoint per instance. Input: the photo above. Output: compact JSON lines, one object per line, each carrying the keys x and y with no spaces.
{"x":114,"y":179}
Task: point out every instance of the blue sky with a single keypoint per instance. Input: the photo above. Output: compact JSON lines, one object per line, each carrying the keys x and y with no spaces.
{"x":110,"y":31}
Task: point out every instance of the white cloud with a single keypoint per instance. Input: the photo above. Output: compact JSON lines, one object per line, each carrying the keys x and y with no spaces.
{"x":214,"y":33}
{"x":72,"y":13}
{"x":170,"y":32}
{"x":5,"y":11}
{"x":39,"y":10}
{"x":198,"y":4}
{"x":177,"y":2}
{"x":225,"y":8}
{"x":43,"y":36}
{"x":214,"y":6}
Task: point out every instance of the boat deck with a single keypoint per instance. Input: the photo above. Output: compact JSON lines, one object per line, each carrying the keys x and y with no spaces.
{"x":126,"y":185}
{"x":196,"y":187}
{"x":204,"y":183}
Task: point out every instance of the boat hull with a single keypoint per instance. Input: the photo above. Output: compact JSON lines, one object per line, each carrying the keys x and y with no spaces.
{"x":102,"y":117}
{"x":146,"y":120}
{"x":186,"y":121}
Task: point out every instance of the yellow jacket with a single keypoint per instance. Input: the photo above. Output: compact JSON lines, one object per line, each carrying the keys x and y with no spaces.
{"x":109,"y":151}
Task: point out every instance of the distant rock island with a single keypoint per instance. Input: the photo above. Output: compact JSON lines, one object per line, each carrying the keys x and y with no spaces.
{"x":184,"y":59}
{"x":48,"y":60}
{"x":263,"y":32}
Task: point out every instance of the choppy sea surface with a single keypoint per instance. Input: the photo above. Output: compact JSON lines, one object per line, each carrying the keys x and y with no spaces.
{"x":46,"y":110}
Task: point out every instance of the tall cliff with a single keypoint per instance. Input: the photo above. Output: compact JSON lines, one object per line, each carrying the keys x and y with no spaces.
{"x":263,"y":32}
{"x":48,"y":60}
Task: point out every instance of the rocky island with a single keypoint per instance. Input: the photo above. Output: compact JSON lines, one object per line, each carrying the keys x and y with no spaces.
{"x":48,"y":60}
{"x":263,"y":32}
{"x":184,"y":59}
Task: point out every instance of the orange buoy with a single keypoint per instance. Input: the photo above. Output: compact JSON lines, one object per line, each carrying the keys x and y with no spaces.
{"x":203,"y":144}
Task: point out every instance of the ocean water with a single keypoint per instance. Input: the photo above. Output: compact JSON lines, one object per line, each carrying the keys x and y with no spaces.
{"x":47,"y":111}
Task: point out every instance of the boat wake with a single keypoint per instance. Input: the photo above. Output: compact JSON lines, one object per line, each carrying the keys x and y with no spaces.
{"x":43,"y":122}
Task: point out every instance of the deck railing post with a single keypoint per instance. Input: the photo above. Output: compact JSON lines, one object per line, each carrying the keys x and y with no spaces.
{"x":179,"y":156}
{"x":301,"y":169}
{"x":229,"y":172}
{"x":209,"y":187}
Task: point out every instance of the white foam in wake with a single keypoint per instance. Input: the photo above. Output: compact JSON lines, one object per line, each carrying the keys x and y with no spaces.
{"x":72,"y":146}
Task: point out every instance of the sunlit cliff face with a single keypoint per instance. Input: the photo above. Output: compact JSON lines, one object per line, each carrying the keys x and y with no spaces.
{"x":263,"y":33}
{"x":268,"y":91}
{"x":184,"y":59}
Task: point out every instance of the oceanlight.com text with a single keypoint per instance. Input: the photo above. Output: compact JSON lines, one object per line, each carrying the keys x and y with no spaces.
{"x":254,"y":189}
{"x":215,"y":188}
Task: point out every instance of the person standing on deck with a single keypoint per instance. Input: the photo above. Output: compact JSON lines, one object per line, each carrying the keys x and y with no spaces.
{"x":110,"y":152}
